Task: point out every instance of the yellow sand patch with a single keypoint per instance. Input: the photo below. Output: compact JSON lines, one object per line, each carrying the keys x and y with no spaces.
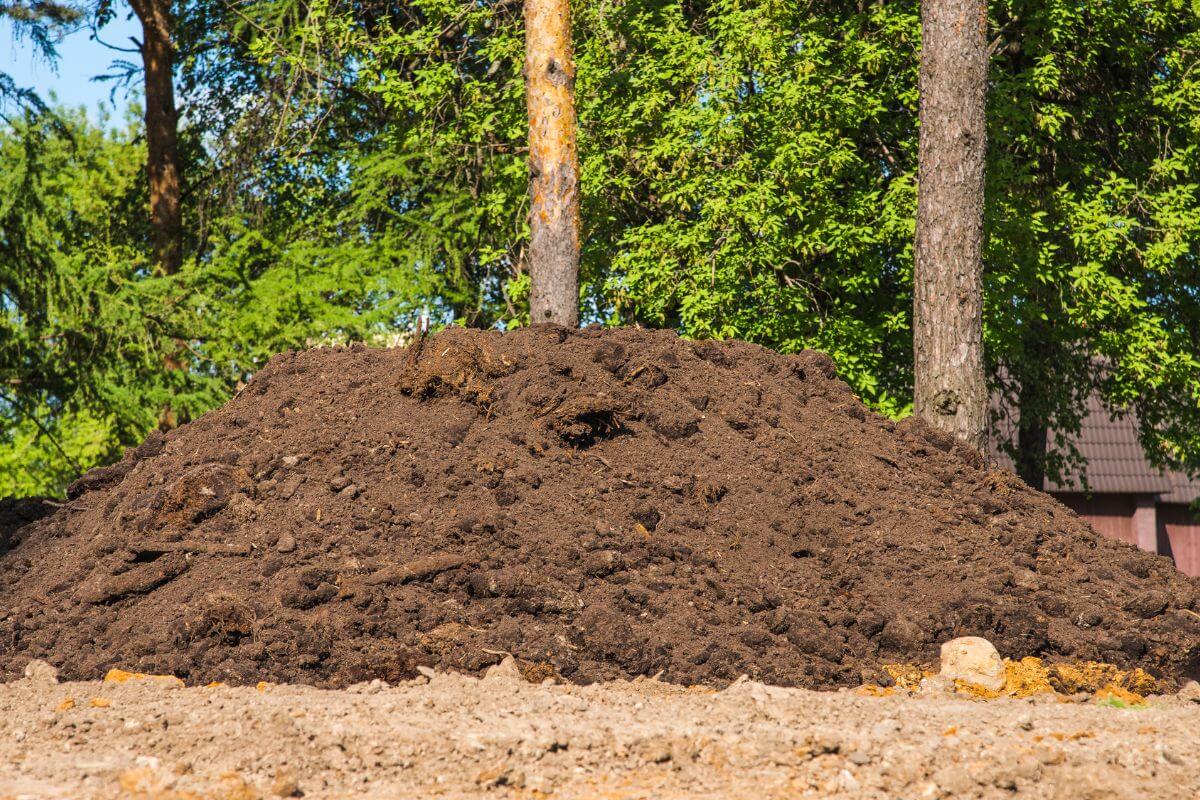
{"x":66,"y":705}
{"x":908,"y":676}
{"x":875,"y":690}
{"x":1029,"y":676}
{"x":100,"y":702}
{"x":122,"y":676}
{"x":1026,"y":677}
{"x":1118,"y":693}
{"x":1091,"y":676}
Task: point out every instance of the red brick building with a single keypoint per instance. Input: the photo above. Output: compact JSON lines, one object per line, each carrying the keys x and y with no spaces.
{"x":1128,"y":499}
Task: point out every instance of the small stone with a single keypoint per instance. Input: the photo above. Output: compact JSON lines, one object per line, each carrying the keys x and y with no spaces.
{"x":339,"y":482}
{"x":974,"y":661}
{"x":1190,"y":691}
{"x":349,"y":492}
{"x":286,"y":489}
{"x":1026,"y":579}
{"x":506,"y":670}
{"x":657,"y":753}
{"x":285,"y":785}
{"x":501,"y":776}
{"x":955,"y":781}
{"x":38,"y":671}
{"x":291,"y":461}
{"x":935,"y":685}
{"x":602,"y":562}
{"x":859,"y":758}
{"x":902,"y":634}
{"x":286,"y":543}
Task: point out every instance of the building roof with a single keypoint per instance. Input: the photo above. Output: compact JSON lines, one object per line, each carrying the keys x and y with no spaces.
{"x":1115,"y":461}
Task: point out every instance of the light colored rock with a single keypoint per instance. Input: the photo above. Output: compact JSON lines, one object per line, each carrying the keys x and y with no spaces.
{"x":1190,"y":691}
{"x":506,"y":670}
{"x":935,"y":685}
{"x":38,"y":671}
{"x":974,"y":661}
{"x":1026,"y":579}
{"x":954,"y":780}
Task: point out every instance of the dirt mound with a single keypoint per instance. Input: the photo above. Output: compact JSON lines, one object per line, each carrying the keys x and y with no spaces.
{"x":597,"y":503}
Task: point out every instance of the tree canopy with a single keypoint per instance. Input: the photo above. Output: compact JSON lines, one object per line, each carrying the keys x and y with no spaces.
{"x":747,"y":170}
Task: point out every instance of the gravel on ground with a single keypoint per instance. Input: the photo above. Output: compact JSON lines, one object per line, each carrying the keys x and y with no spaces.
{"x":450,"y":735}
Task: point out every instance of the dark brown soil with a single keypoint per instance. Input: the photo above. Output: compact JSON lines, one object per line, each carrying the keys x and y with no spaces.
{"x":600,"y":504}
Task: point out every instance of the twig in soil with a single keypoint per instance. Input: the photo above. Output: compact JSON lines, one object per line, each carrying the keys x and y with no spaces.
{"x":71,"y":506}
{"x":417,"y":569}
{"x":138,"y":581}
{"x":414,"y":354}
{"x":213,"y":548}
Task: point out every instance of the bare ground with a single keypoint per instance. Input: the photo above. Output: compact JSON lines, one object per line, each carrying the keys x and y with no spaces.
{"x":499,"y":737}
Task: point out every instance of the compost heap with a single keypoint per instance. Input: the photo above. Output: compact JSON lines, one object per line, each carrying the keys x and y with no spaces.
{"x":600,"y":504}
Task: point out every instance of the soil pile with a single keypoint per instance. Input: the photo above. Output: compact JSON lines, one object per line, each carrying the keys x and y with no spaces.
{"x":598,"y":503}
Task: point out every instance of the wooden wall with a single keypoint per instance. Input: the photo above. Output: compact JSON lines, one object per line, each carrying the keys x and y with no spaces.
{"x":1113,"y":515}
{"x":1179,"y":536}
{"x":1110,"y":514}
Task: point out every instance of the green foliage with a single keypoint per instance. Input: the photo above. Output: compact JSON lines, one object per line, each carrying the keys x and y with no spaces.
{"x":1093,"y":211}
{"x":82,"y":327}
{"x":748,"y":170}
{"x":740,"y":168}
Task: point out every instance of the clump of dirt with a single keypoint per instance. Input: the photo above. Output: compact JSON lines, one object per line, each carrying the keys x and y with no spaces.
{"x":599,"y":504}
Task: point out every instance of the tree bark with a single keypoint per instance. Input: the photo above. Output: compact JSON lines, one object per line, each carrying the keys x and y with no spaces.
{"x":949,"y":390}
{"x":553,"y":165}
{"x":162,"y":134}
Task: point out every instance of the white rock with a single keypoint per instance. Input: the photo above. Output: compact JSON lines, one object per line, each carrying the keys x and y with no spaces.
{"x":935,"y":685}
{"x":1190,"y":691}
{"x":38,"y":671}
{"x":506,"y":670}
{"x":973,"y":660}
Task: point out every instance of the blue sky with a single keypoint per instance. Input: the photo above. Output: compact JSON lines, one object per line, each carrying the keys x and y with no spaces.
{"x":80,"y":59}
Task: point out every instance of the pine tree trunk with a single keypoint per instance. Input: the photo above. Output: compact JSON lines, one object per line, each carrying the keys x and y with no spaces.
{"x":949,"y":390}
{"x":553,"y":167}
{"x":162,"y":134}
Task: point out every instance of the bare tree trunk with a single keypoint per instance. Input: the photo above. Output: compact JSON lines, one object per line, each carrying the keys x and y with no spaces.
{"x":162,"y":134}
{"x":949,"y":390}
{"x":553,"y":166}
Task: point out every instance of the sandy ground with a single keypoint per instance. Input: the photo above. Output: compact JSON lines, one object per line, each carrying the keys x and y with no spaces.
{"x":453,"y":736}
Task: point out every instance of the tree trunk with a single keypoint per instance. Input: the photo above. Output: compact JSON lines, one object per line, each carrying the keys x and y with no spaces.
{"x":162,"y":134}
{"x":553,"y":166}
{"x":949,"y":390}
